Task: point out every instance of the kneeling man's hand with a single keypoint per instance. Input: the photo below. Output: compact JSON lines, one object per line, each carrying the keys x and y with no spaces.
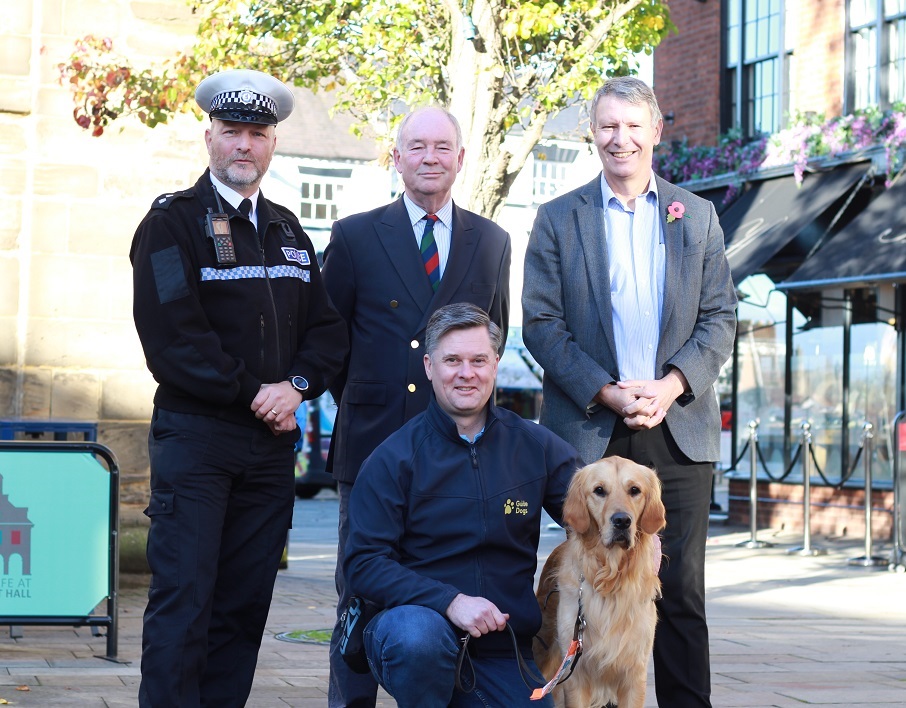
{"x":476,"y":615}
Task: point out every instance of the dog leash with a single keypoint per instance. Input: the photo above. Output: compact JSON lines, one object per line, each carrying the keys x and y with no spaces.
{"x":573,"y":654}
{"x":524,"y":669}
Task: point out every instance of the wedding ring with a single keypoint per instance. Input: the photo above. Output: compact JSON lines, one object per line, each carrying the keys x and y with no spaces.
{"x":274,"y":411}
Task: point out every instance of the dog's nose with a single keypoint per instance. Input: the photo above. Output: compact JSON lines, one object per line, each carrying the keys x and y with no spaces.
{"x":621,"y":520}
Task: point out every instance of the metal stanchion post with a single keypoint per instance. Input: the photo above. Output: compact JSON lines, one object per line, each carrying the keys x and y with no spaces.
{"x":807,"y":549}
{"x":868,"y":560}
{"x":897,"y":564}
{"x":753,"y":541}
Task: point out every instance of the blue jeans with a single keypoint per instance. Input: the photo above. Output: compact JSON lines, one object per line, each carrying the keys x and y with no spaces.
{"x":412,"y":652}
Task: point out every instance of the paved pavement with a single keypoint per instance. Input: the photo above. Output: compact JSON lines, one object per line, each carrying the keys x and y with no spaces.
{"x":786,"y":630}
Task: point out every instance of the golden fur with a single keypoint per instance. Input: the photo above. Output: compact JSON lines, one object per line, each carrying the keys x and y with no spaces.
{"x":613,"y":509}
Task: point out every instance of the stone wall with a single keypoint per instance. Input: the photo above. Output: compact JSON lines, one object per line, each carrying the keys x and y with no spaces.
{"x":71,"y":202}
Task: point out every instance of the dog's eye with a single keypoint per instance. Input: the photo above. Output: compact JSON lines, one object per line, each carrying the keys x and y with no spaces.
{"x":599,"y":490}
{"x":634,"y":491}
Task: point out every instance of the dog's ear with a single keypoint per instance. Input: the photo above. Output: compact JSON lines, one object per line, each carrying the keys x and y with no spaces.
{"x":575,"y":511}
{"x":654,"y":515}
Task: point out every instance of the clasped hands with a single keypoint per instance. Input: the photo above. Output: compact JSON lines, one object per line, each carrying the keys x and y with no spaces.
{"x":643,"y":404}
{"x":276,"y":405}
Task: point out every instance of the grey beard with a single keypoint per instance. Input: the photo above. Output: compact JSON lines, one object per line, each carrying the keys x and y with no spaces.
{"x":236,"y":177}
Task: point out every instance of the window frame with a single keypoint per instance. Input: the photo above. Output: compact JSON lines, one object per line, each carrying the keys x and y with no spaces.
{"x":321,"y":187}
{"x":739,"y":62}
{"x":881,"y":26}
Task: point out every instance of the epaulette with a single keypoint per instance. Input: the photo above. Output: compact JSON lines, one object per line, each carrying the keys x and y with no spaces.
{"x":165,"y":200}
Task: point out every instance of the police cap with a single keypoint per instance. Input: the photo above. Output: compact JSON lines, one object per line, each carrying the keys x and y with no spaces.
{"x":245,"y":96}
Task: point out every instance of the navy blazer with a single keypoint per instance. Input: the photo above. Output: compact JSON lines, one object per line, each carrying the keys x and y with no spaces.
{"x":375,"y":277}
{"x":568,"y":319}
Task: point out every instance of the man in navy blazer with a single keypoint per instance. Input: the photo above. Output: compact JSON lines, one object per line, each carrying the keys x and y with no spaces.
{"x":629,"y":308}
{"x":378,"y":279}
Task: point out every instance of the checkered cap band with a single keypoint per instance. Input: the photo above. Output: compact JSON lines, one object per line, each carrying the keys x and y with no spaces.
{"x":244,"y":100}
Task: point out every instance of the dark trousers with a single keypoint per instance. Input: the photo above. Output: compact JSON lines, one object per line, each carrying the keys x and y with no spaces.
{"x":346,"y":689}
{"x":221,"y":504}
{"x":682,"y":668}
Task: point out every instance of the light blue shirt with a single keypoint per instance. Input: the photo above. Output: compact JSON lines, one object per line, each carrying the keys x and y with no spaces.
{"x":477,"y":437}
{"x":443,"y":229}
{"x":234,"y":198}
{"x":636,"y":260}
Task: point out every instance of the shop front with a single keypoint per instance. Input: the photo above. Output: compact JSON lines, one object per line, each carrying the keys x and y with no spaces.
{"x":820,"y":270}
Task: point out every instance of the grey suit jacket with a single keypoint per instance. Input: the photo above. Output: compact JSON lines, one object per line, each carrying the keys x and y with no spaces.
{"x":568,"y":320}
{"x":374,"y":274}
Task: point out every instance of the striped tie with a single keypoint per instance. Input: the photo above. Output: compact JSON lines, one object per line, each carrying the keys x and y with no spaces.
{"x":429,"y":252}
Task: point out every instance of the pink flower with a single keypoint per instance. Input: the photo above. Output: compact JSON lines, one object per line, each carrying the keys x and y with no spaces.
{"x":675,"y":211}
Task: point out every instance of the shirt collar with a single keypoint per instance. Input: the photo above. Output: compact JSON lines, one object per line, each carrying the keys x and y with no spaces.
{"x":232,"y":196}
{"x":416,"y":213}
{"x":477,"y":436}
{"x":649,"y":194}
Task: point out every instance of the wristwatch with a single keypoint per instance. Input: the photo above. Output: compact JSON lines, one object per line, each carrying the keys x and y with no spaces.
{"x":300,"y":383}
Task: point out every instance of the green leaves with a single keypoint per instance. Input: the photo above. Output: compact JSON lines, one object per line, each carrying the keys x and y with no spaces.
{"x":528,"y":61}
{"x":381,"y":51}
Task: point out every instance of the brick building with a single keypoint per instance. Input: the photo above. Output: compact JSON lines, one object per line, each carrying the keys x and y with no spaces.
{"x":818,"y":252}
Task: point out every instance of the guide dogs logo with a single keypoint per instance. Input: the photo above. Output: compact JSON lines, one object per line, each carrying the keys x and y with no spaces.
{"x":517,"y":506}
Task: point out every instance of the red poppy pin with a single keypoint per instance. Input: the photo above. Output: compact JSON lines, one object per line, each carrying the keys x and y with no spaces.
{"x":675,"y":211}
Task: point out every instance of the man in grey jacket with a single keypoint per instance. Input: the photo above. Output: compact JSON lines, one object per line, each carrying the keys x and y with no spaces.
{"x":629,"y":308}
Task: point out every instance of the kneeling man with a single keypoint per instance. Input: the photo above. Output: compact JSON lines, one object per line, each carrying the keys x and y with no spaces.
{"x":444,"y":524}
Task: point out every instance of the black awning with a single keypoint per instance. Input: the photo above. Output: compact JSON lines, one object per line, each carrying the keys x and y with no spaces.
{"x":718,"y":197}
{"x":771,"y":213}
{"x":871,"y":249}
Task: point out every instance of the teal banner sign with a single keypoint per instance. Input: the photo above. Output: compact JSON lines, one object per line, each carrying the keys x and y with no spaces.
{"x":54,"y":534}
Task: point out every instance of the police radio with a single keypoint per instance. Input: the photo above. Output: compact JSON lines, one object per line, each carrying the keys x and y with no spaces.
{"x":217,"y":228}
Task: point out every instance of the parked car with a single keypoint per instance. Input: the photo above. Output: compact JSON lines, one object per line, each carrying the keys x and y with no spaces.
{"x":311,"y":451}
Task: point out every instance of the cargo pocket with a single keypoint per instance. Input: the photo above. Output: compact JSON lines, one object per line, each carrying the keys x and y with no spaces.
{"x":163,"y":539}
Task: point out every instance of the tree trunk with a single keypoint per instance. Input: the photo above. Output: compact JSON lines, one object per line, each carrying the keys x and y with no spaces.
{"x":478,"y":100}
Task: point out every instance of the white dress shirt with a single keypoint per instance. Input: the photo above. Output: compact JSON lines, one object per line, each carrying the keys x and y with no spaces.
{"x":235,"y":198}
{"x":443,"y":228}
{"x":636,"y":260}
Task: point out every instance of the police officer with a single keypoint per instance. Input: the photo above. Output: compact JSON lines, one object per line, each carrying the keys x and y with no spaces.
{"x":237,"y":330}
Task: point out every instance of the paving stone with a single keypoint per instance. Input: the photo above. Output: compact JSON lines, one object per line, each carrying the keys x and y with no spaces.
{"x":785,"y":632}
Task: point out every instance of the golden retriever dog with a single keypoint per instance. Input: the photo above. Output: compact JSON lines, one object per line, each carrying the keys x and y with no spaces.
{"x":614,"y":511}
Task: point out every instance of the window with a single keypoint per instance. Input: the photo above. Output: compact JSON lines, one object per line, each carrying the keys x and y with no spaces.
{"x":320,"y":193}
{"x":759,"y":57}
{"x":15,"y":538}
{"x":876,"y":53}
{"x":550,"y":171}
